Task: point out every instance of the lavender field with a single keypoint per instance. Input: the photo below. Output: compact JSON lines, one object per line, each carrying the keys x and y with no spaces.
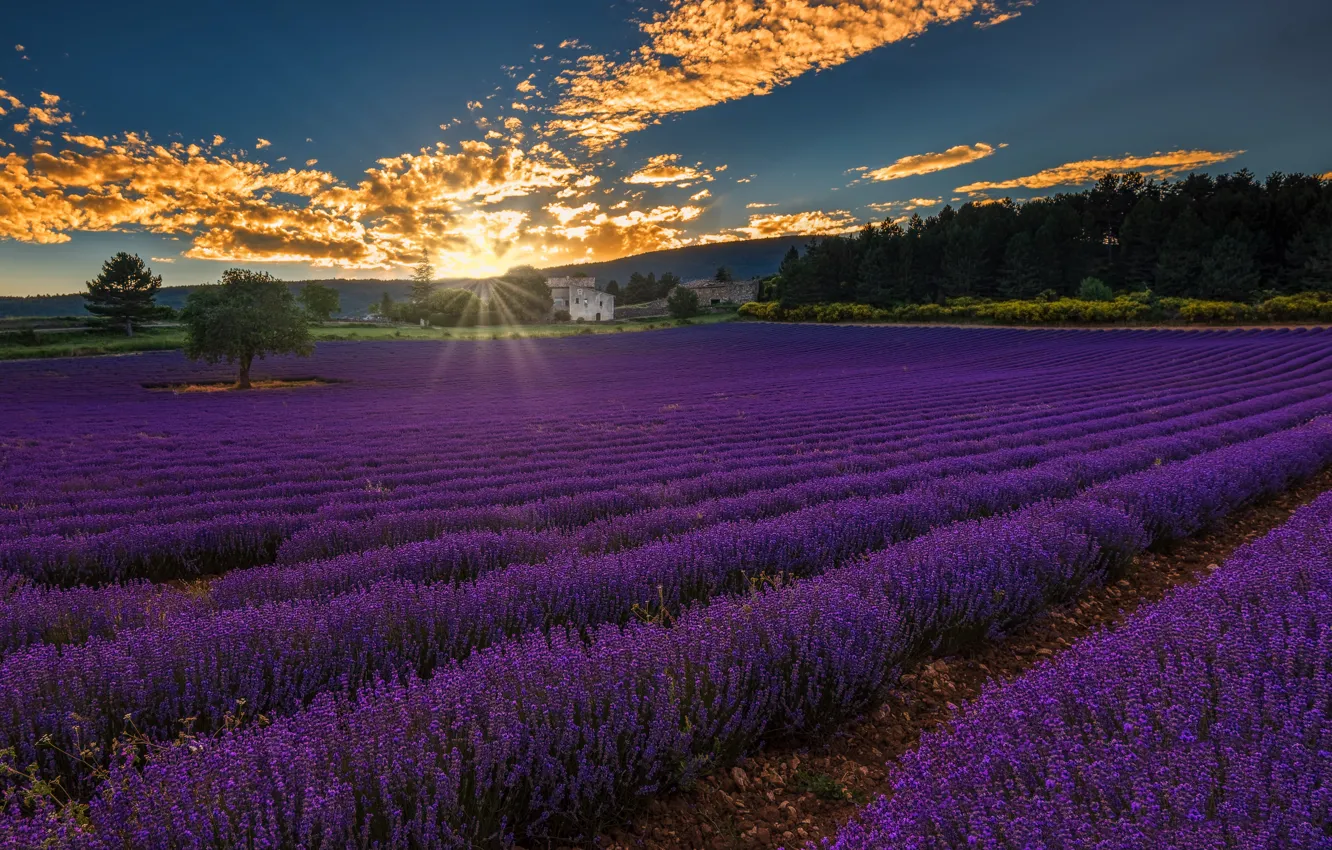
{"x":473,"y":594}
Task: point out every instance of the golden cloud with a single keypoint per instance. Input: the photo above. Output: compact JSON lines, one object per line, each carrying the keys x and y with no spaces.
{"x":907,"y":205}
{"x":928,"y":163}
{"x":260,"y":144}
{"x":666,"y":168}
{"x":813,"y":223}
{"x":48,"y":113}
{"x":86,"y":141}
{"x":1158,"y":165}
{"x":703,"y":52}
{"x":579,"y":233}
{"x":700,"y":195}
{"x":237,"y":210}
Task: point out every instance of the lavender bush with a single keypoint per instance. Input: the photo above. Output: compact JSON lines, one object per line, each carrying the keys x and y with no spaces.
{"x":1206,"y":722}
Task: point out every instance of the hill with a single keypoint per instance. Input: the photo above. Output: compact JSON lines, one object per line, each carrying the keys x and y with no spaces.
{"x":751,"y":258}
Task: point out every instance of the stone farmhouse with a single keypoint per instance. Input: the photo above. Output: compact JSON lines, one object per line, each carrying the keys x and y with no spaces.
{"x":580,"y":296}
{"x":712,"y":292}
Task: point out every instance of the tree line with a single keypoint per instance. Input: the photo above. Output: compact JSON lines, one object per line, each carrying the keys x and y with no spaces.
{"x":1228,"y":238}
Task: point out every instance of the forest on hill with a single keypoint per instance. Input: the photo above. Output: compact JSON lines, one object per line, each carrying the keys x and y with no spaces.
{"x":1228,"y":238}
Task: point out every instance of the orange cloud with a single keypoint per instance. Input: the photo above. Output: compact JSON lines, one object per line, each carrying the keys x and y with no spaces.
{"x":907,"y":205}
{"x":236,"y":210}
{"x":928,"y":163}
{"x":48,"y":113}
{"x":1158,"y":165}
{"x":814,"y":223}
{"x":260,"y":144}
{"x":86,"y":141}
{"x":665,"y":169}
{"x":703,"y":52}
{"x":603,"y":235}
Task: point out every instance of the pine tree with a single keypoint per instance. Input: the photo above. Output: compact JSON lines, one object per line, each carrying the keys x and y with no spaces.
{"x":125,"y":291}
{"x":423,"y":282}
{"x":1020,"y":275}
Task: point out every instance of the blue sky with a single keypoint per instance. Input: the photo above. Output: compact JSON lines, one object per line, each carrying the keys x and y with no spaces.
{"x":137,"y":126}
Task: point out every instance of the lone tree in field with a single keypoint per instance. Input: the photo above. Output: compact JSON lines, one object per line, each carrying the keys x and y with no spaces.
{"x":682,"y":302}
{"x":247,"y":315}
{"x":125,"y":292}
{"x":521,"y":297}
{"x":423,"y":282}
{"x":320,"y":301}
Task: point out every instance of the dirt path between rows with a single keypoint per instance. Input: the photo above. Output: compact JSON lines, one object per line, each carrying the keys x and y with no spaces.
{"x":799,"y":791}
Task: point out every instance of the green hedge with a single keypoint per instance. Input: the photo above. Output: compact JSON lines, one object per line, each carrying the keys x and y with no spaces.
{"x":1125,"y":309}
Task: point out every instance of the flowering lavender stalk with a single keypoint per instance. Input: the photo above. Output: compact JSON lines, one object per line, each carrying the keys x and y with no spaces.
{"x":1206,"y":721}
{"x":551,"y":736}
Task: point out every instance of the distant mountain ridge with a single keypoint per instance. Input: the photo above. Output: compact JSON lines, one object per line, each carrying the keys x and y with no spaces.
{"x":751,"y":258}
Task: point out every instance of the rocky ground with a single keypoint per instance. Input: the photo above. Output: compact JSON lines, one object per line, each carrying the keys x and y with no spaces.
{"x":801,"y":791}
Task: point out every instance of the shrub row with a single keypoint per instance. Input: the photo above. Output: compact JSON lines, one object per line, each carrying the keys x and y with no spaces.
{"x":1304,"y":307}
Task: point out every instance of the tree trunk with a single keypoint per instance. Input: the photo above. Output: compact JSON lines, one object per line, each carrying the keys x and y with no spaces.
{"x":243,"y":380}
{"x":129,"y":327}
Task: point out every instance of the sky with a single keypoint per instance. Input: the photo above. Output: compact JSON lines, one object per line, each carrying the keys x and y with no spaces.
{"x":331,"y":139}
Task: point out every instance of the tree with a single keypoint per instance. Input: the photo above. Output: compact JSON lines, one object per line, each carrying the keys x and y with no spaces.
{"x":449,"y":308}
{"x":386,"y":305}
{"x":682,"y":302}
{"x":1019,"y":275}
{"x":723,"y":275}
{"x":1228,"y":272}
{"x":641,"y":288}
{"x":1094,"y":289}
{"x":246,"y":315}
{"x":423,"y":281}
{"x":667,"y":282}
{"x":613,"y":288}
{"x":125,"y":292}
{"x":320,"y":301}
{"x":521,"y":296}
{"x":1310,"y":256}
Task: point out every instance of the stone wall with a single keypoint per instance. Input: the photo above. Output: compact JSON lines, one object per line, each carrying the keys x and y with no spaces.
{"x":711,"y":292}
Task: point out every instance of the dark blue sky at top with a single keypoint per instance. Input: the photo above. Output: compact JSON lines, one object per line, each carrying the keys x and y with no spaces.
{"x":1065,"y":81}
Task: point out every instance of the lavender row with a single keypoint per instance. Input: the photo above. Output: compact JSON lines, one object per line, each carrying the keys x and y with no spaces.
{"x":706,"y":484}
{"x":162,"y":550}
{"x":1205,"y":722}
{"x":243,"y":463}
{"x":284,"y":472}
{"x":331,"y":538}
{"x":165,"y":551}
{"x":276,"y":658}
{"x":551,"y":736}
{"x":39,"y":615}
{"x":299,"y":483}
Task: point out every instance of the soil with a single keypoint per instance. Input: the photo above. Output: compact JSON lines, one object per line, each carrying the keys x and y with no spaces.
{"x":800,"y":791}
{"x":230,"y":386}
